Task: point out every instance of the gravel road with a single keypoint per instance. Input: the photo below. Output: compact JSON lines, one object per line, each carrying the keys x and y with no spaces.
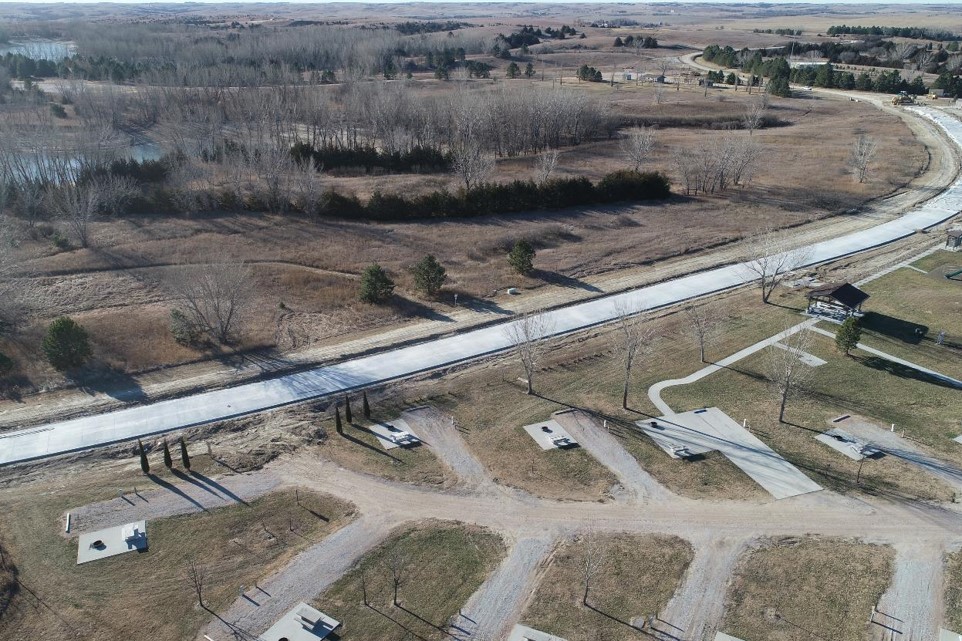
{"x":696,"y":609}
{"x":491,"y":611}
{"x":440,"y":433}
{"x":603,"y":446}
{"x":912,"y":606}
{"x":182,"y":495}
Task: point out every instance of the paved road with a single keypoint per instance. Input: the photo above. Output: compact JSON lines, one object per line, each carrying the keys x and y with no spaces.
{"x":93,"y":431}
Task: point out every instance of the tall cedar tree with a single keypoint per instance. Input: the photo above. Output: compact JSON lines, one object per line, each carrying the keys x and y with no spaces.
{"x":66,"y":344}
{"x":848,"y":335}
{"x":429,"y":275}
{"x":376,"y":285}
{"x":366,"y":407}
{"x":144,"y":463}
{"x":168,"y":462}
{"x":184,"y":457}
{"x":522,"y":257}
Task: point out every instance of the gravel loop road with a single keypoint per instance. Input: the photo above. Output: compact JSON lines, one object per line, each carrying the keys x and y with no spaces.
{"x":185,"y":494}
{"x":497,"y":605}
{"x":603,"y":446}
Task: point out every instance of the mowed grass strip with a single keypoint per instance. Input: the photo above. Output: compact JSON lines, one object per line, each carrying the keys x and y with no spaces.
{"x":845,"y":385}
{"x":808,"y":588}
{"x":147,"y":595}
{"x":440,"y":565}
{"x":637,"y":576}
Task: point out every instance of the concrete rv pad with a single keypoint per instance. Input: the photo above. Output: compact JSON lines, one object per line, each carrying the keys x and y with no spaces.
{"x":700,"y":431}
{"x":721,"y":636}
{"x":303,"y":623}
{"x":549,"y":435}
{"x":112,"y":541}
{"x":842,"y":441}
{"x":396,"y":433}
{"x":524,"y":633}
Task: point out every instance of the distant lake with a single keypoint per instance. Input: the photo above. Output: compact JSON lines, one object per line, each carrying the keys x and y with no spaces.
{"x":40,"y":49}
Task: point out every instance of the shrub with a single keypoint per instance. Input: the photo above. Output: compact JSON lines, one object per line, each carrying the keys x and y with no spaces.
{"x":66,"y":344}
{"x":60,"y":241}
{"x":185,"y":331}
{"x":57,"y":110}
{"x":376,"y":285}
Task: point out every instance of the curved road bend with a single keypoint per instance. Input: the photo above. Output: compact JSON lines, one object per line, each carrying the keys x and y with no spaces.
{"x":94,"y":431}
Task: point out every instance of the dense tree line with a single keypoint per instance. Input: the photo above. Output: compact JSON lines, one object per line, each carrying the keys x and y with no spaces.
{"x":414,"y":160}
{"x":780,"y":32}
{"x":413,"y":27}
{"x":916,"y":33}
{"x":639,"y":42}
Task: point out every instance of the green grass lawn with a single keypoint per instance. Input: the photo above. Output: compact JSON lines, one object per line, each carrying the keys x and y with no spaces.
{"x":441,"y":564}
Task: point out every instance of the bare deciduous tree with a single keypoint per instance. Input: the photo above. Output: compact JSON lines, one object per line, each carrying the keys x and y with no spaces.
{"x":634,"y":338}
{"x":547,"y":162}
{"x":214,"y":296}
{"x":592,"y":557}
{"x":77,"y":204}
{"x":785,"y":367}
{"x":196,"y":575}
{"x":527,"y":335}
{"x":771,"y":258}
{"x":637,"y":146}
{"x":703,"y":325}
{"x":863,"y":151}
{"x":754,"y":114}
{"x":471,"y":163}
{"x":397,"y":565}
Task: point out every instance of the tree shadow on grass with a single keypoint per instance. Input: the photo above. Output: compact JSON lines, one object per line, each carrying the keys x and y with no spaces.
{"x":374,"y":449}
{"x":176,"y":490}
{"x":426,"y":622}
{"x":223,"y":490}
{"x":555,"y":278}
{"x":398,"y":623}
{"x":903,"y":330}
{"x":904,"y":371}
{"x":408,"y":307}
{"x":101,"y":378}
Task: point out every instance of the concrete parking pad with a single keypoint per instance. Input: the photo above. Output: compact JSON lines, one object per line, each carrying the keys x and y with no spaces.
{"x":303,"y":623}
{"x":112,"y":541}
{"x":549,"y":435}
{"x":524,"y":633}
{"x":700,"y":431}
{"x":396,"y":433}
{"x":841,"y":441}
{"x":947,"y":635}
{"x":721,"y":636}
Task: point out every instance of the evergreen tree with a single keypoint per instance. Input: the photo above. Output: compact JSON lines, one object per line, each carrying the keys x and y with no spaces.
{"x":514,"y":71}
{"x":366,"y":406}
{"x":429,"y":275}
{"x":848,"y":335}
{"x":144,"y":463}
{"x":168,"y":462}
{"x":529,"y":71}
{"x":522,"y":257}
{"x":184,"y":458}
{"x":66,"y":344}
{"x":347,"y":410}
{"x":376,"y":285}
{"x":618,"y":42}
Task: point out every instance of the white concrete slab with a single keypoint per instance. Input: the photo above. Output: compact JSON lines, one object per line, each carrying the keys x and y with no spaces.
{"x":809,"y":359}
{"x":164,"y":416}
{"x":524,"y":633}
{"x":112,"y":541}
{"x":958,"y":439}
{"x":947,"y":635}
{"x":841,"y":441}
{"x":721,"y":636}
{"x":303,"y":623}
{"x":710,"y":429}
{"x":396,"y":433}
{"x":549,"y":435}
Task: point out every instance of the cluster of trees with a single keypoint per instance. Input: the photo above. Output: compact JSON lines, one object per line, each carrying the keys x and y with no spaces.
{"x":419,"y":160}
{"x":719,"y":162}
{"x":881,"y":82}
{"x":639,"y":42}
{"x":917,"y":33}
{"x":486,"y":198}
{"x":951,"y":84}
{"x":776,"y":69}
{"x":780,"y":32}
{"x":589,"y":74}
{"x":414,"y":27}
{"x":514,"y":71}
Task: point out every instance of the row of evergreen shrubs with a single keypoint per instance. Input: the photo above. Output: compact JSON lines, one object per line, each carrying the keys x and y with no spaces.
{"x":503,"y":198}
{"x":418,"y":160}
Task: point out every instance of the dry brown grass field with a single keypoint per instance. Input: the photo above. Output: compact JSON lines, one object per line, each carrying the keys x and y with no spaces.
{"x":636,"y":577}
{"x":826,"y":587}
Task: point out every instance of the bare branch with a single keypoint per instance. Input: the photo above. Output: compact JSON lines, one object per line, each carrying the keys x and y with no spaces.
{"x":863,"y":151}
{"x":214,"y":296}
{"x":528,"y":337}
{"x":771,"y":258}
{"x":637,"y":146}
{"x":634,"y":338}
{"x":547,"y":162}
{"x":786,"y":370}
